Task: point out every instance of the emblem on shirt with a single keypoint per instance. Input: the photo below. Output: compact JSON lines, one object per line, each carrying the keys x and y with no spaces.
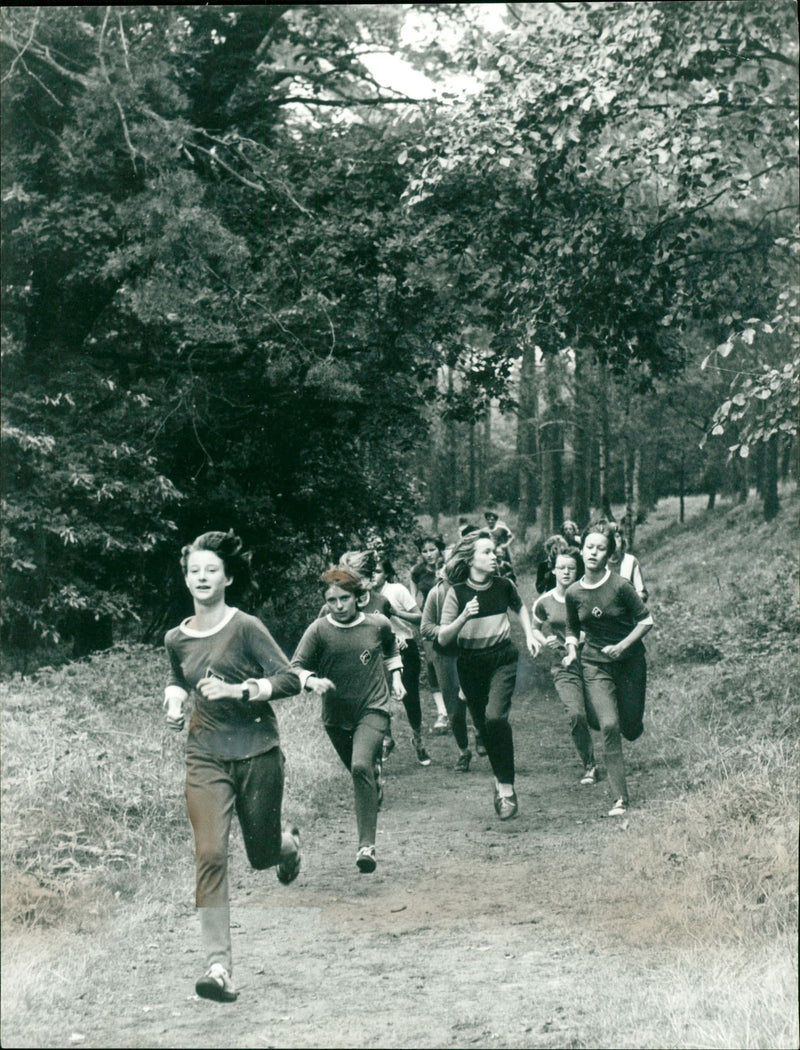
{"x":597,"y":612}
{"x":365,"y":657}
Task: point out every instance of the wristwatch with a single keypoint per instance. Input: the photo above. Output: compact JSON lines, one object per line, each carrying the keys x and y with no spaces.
{"x":245,"y":692}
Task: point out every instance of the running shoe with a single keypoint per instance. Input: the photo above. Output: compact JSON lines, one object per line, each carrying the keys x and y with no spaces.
{"x":423,"y":757}
{"x":289,"y":867}
{"x":464,"y":759}
{"x":479,"y":747}
{"x":216,"y":984}
{"x":619,"y":809}
{"x":506,"y":806}
{"x":441,"y":726}
{"x":365,"y":860}
{"x":589,"y":775}
{"x":388,"y":746}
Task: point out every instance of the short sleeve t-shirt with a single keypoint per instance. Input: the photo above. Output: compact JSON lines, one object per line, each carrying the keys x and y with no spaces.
{"x":549,"y":609}
{"x":607,"y":612}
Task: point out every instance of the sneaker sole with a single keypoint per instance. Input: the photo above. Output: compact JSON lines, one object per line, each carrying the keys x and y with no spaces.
{"x":366,"y":865}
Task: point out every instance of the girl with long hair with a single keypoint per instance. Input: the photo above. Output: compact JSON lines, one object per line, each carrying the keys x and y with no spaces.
{"x":475,"y":615}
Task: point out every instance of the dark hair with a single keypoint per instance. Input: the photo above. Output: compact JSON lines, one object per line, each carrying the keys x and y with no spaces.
{"x":344,"y":577}
{"x":437,"y":541}
{"x":228,"y":548}
{"x":575,"y":554}
{"x":388,"y":569}
{"x":457,"y":568}
{"x":602,"y":527}
{"x":468,"y":530}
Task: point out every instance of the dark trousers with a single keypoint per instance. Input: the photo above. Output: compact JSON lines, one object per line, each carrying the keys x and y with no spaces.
{"x":360,"y":749}
{"x":253,"y":787}
{"x":412,"y":665}
{"x":447,"y":674}
{"x":487,"y":679}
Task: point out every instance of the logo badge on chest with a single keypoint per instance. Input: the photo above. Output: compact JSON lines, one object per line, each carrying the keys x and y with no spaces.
{"x":365,"y":657}
{"x":597,"y":612}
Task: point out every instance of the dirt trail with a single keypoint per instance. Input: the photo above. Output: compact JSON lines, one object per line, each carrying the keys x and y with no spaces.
{"x":472,"y":932}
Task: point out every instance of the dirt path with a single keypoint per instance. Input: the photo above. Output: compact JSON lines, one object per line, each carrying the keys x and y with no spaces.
{"x":472,"y":932}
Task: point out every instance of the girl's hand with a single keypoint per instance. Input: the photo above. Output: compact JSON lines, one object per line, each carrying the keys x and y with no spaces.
{"x":398,"y":689}
{"x":570,"y":658}
{"x":471,"y":608}
{"x":216,"y":689}
{"x":616,"y":652}
{"x":533,"y":646}
{"x":175,"y":716}
{"x":552,"y":642}
{"x":402,"y":644}
{"x":320,"y":685}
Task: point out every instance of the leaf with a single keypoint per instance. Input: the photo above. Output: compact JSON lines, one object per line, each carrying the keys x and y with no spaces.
{"x":717,"y":430}
{"x":403,"y":157}
{"x":725,"y":348}
{"x":744,"y":451}
{"x":747,"y":336}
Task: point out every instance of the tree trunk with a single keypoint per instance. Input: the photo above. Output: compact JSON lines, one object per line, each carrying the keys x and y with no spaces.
{"x":486,"y":456}
{"x":681,"y":490}
{"x":770,"y":479}
{"x":604,"y":440}
{"x":581,"y":443}
{"x":451,"y":455}
{"x":636,"y":488}
{"x":472,"y":480}
{"x":526,"y":440}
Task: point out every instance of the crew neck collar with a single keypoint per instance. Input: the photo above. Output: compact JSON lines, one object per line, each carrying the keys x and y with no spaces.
{"x":344,"y":626}
{"x":194,"y":633}
{"x":594,"y":586}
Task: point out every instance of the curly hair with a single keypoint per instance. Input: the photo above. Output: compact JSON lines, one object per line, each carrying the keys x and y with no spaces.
{"x":553,"y":546}
{"x":457,"y":568}
{"x":575,"y":554}
{"x":437,"y":542}
{"x":228,"y":548}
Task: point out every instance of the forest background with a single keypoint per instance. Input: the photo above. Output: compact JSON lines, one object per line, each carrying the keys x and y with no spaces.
{"x":247,"y":284}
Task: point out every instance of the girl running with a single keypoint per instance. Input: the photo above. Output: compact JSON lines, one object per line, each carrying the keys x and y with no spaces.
{"x":232,"y":667}
{"x":550,"y":613}
{"x":475,"y":614}
{"x":405,"y":613}
{"x":347,"y":656}
{"x":626,"y":565}
{"x":444,"y":660}
{"x":614,"y":619}
{"x":423,"y":577}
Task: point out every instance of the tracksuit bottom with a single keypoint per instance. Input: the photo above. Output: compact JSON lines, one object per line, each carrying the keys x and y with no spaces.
{"x":360,"y":749}
{"x":215,"y":787}
{"x":615,"y":695}
{"x":487,"y":678}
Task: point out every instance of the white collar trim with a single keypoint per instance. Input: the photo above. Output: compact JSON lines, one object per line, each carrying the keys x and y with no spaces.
{"x":344,"y":626}
{"x":594,"y":586}
{"x":194,"y":633}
